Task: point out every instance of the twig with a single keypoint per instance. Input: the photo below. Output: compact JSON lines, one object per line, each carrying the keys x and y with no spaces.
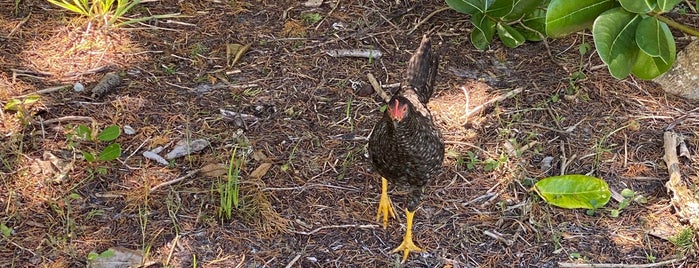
{"x":499,"y":237}
{"x":490,"y":102}
{"x":44,"y":91}
{"x":427,"y":18}
{"x":359,"y":53}
{"x":291,"y":263}
{"x":361,"y":226}
{"x":22,"y":22}
{"x":66,"y":118}
{"x":617,"y":265}
{"x":188,"y":175}
{"x":377,"y":87}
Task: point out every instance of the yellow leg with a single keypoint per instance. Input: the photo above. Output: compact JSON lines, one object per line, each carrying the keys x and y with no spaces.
{"x":385,"y":207}
{"x":407,"y":246}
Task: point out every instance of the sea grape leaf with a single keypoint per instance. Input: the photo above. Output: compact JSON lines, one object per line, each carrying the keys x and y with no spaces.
{"x":655,"y":39}
{"x":509,"y":36}
{"x":574,"y":191}
{"x":614,"y":32}
{"x":565,"y":17}
{"x":648,"y":67}
{"x":483,"y":31}
{"x":470,"y":6}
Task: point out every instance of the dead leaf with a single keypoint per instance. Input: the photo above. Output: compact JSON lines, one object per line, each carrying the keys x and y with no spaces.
{"x":236,"y":51}
{"x":214,"y":170}
{"x":261,"y":170}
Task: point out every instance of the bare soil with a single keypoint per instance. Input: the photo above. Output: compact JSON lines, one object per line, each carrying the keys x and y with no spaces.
{"x":316,"y":205}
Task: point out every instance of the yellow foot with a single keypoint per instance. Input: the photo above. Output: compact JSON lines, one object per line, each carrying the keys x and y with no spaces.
{"x":408,"y":245}
{"x":385,"y":207}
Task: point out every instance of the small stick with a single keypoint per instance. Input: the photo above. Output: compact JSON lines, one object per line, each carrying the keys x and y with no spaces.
{"x":66,"y":118}
{"x":291,"y":263}
{"x":360,"y":53}
{"x":427,"y":18}
{"x":44,"y":91}
{"x":490,"y":102}
{"x":361,"y":226}
{"x":618,"y":265}
{"x":375,"y":84}
{"x":188,"y":175}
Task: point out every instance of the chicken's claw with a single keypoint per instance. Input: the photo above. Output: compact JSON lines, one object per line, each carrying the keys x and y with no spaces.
{"x":385,"y":206}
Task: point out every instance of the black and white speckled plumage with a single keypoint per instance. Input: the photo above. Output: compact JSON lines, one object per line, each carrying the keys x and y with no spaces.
{"x":410,"y":151}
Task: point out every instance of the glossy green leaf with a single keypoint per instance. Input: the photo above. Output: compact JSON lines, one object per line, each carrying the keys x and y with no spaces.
{"x":521,"y":8}
{"x":535,"y":23}
{"x":655,"y":39}
{"x":500,"y":8}
{"x":647,"y":67}
{"x":110,"y":133}
{"x":638,"y":6}
{"x":574,"y":191}
{"x":470,"y":6}
{"x":483,"y":31}
{"x":666,"y":5}
{"x":614,"y":32}
{"x":565,"y":16}
{"x":509,"y":36}
{"x":111,"y":152}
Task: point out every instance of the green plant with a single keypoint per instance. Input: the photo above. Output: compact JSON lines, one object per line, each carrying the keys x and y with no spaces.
{"x":472,"y":160}
{"x":108,"y":12}
{"x":684,"y":239}
{"x":108,"y":153}
{"x":311,"y":18}
{"x":21,"y":106}
{"x":629,"y":196}
{"x":631,"y":36}
{"x":229,"y":192}
{"x":513,"y":21}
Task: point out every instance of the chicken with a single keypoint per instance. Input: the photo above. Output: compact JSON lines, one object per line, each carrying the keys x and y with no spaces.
{"x":405,"y":147}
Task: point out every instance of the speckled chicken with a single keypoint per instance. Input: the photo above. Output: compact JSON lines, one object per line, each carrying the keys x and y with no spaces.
{"x":405,"y":147}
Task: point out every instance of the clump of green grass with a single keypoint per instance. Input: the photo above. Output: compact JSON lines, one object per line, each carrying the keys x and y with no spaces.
{"x":107,"y":12}
{"x":229,"y":192}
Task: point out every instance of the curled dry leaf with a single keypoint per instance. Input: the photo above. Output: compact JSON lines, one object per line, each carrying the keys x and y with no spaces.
{"x":214,"y":170}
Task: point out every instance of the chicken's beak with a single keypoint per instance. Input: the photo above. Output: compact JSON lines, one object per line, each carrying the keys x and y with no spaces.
{"x":395,"y":123}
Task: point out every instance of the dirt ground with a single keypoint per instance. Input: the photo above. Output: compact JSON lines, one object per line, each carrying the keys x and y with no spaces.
{"x":309,"y":115}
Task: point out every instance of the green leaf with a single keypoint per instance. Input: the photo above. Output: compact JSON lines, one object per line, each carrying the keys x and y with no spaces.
{"x":16,"y":104}
{"x":574,"y":191}
{"x":6,"y":231}
{"x":483,"y":31}
{"x":666,"y":5}
{"x":647,"y":67}
{"x":83,"y":132}
{"x":614,"y":213}
{"x":89,"y":157}
{"x":521,"y":8}
{"x":110,"y":133}
{"x":470,"y":6}
{"x":536,"y":25}
{"x":638,"y":6}
{"x":655,"y":39}
{"x":500,"y":8}
{"x":627,"y":193}
{"x":565,"y":16}
{"x":111,"y":152}
{"x":614,"y":33}
{"x":509,"y":36}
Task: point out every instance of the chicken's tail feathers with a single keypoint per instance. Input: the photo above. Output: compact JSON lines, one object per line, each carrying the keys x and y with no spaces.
{"x":422,"y":70}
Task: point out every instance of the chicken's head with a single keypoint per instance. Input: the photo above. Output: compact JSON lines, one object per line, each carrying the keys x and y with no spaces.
{"x":398,"y":108}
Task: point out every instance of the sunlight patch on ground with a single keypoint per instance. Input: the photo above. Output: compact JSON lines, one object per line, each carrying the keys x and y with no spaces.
{"x":74,"y":49}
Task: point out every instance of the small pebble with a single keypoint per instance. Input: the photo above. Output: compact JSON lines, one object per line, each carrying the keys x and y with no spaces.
{"x":365,"y":90}
{"x":78,"y":87}
{"x":128,"y":130}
